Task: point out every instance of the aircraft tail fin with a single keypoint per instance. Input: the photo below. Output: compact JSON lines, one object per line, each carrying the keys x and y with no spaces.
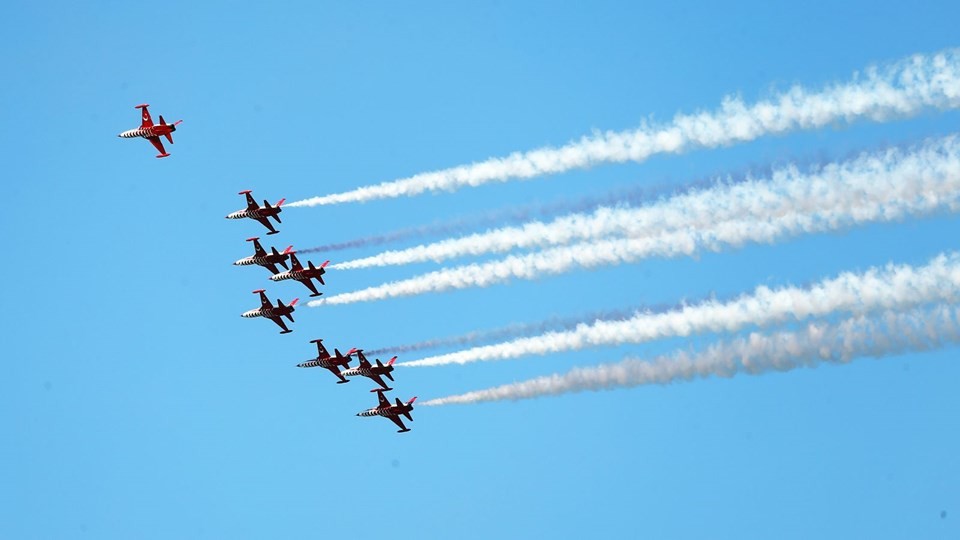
{"x":295,"y":262}
{"x":392,"y":360}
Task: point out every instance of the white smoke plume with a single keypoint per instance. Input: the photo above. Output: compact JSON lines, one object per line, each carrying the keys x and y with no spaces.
{"x":633,"y":195}
{"x":927,"y":190}
{"x":889,"y":287}
{"x":888,"y":184}
{"x":817,"y":343}
{"x":901,"y":89}
{"x":520,"y":329}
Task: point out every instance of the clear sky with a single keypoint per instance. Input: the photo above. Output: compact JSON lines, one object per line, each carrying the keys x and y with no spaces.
{"x":136,"y":403}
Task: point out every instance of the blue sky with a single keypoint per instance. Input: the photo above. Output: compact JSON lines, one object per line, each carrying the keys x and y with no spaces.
{"x":137,"y":403}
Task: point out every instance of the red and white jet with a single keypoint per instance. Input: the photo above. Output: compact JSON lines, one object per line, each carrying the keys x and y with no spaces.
{"x":272,"y":312}
{"x":303,"y":275}
{"x":264,"y":259}
{"x":372,"y":372}
{"x":254,"y":211}
{"x":332,"y":363}
{"x":152,"y":132}
{"x":393,"y":412}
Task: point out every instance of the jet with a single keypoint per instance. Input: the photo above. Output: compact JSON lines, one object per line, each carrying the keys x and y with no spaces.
{"x":267,"y":310}
{"x":264,"y":259}
{"x":152,"y":132}
{"x":303,"y":275}
{"x":393,"y":412}
{"x":372,"y":372}
{"x":332,"y":363}
{"x":254,"y":211}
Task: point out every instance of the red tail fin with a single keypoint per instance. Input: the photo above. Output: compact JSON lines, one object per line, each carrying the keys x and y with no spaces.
{"x":281,"y":201}
{"x":288,"y":250}
{"x":414,"y":398}
{"x":295,"y":300}
{"x":392,"y":360}
{"x":324,"y":264}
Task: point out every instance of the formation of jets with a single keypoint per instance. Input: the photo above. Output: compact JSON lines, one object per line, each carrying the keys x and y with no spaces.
{"x":296,"y":272}
{"x":373,"y":372}
{"x":337,"y":363}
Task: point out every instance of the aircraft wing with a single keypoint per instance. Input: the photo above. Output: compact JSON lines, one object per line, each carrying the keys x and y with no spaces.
{"x":280,"y":323}
{"x":258,"y":250}
{"x":146,"y":121}
{"x":251,"y":202}
{"x":311,"y":286}
{"x":336,"y":371}
{"x":376,"y":378}
{"x":384,"y":402}
{"x":264,"y":301}
{"x":398,"y":422}
{"x":272,"y":268}
{"x":265,"y":223}
{"x":363,"y":360}
{"x":156,"y":143}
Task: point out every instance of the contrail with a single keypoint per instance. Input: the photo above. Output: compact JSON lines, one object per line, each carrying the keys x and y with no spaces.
{"x":522,"y":329}
{"x":817,"y":343}
{"x":922,"y":191}
{"x":879,"y":178}
{"x":888,"y":287}
{"x":897,"y":90}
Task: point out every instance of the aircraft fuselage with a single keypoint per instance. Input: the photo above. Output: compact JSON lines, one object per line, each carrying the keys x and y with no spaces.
{"x":152,"y":131}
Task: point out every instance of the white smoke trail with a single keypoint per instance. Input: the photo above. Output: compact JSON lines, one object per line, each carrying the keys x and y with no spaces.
{"x":938,"y":191}
{"x":889,"y":287}
{"x":901,"y":89}
{"x":521,"y":329}
{"x":860,"y":336}
{"x":903,"y":180}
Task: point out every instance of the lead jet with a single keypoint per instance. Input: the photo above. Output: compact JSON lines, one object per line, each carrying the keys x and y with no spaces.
{"x":303,"y":275}
{"x":272,"y":312}
{"x":254,"y":211}
{"x":152,"y":132}
{"x":264,"y":259}
{"x":393,"y":412}
{"x":332,"y":363}
{"x":372,"y":372}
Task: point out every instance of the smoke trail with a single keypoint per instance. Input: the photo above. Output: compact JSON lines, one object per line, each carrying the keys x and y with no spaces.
{"x":942,"y":195}
{"x":883,"y":178}
{"x":901,"y":89}
{"x":522,"y":329}
{"x":891,"y":333}
{"x":890,"y":287}
{"x":631,"y":196}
